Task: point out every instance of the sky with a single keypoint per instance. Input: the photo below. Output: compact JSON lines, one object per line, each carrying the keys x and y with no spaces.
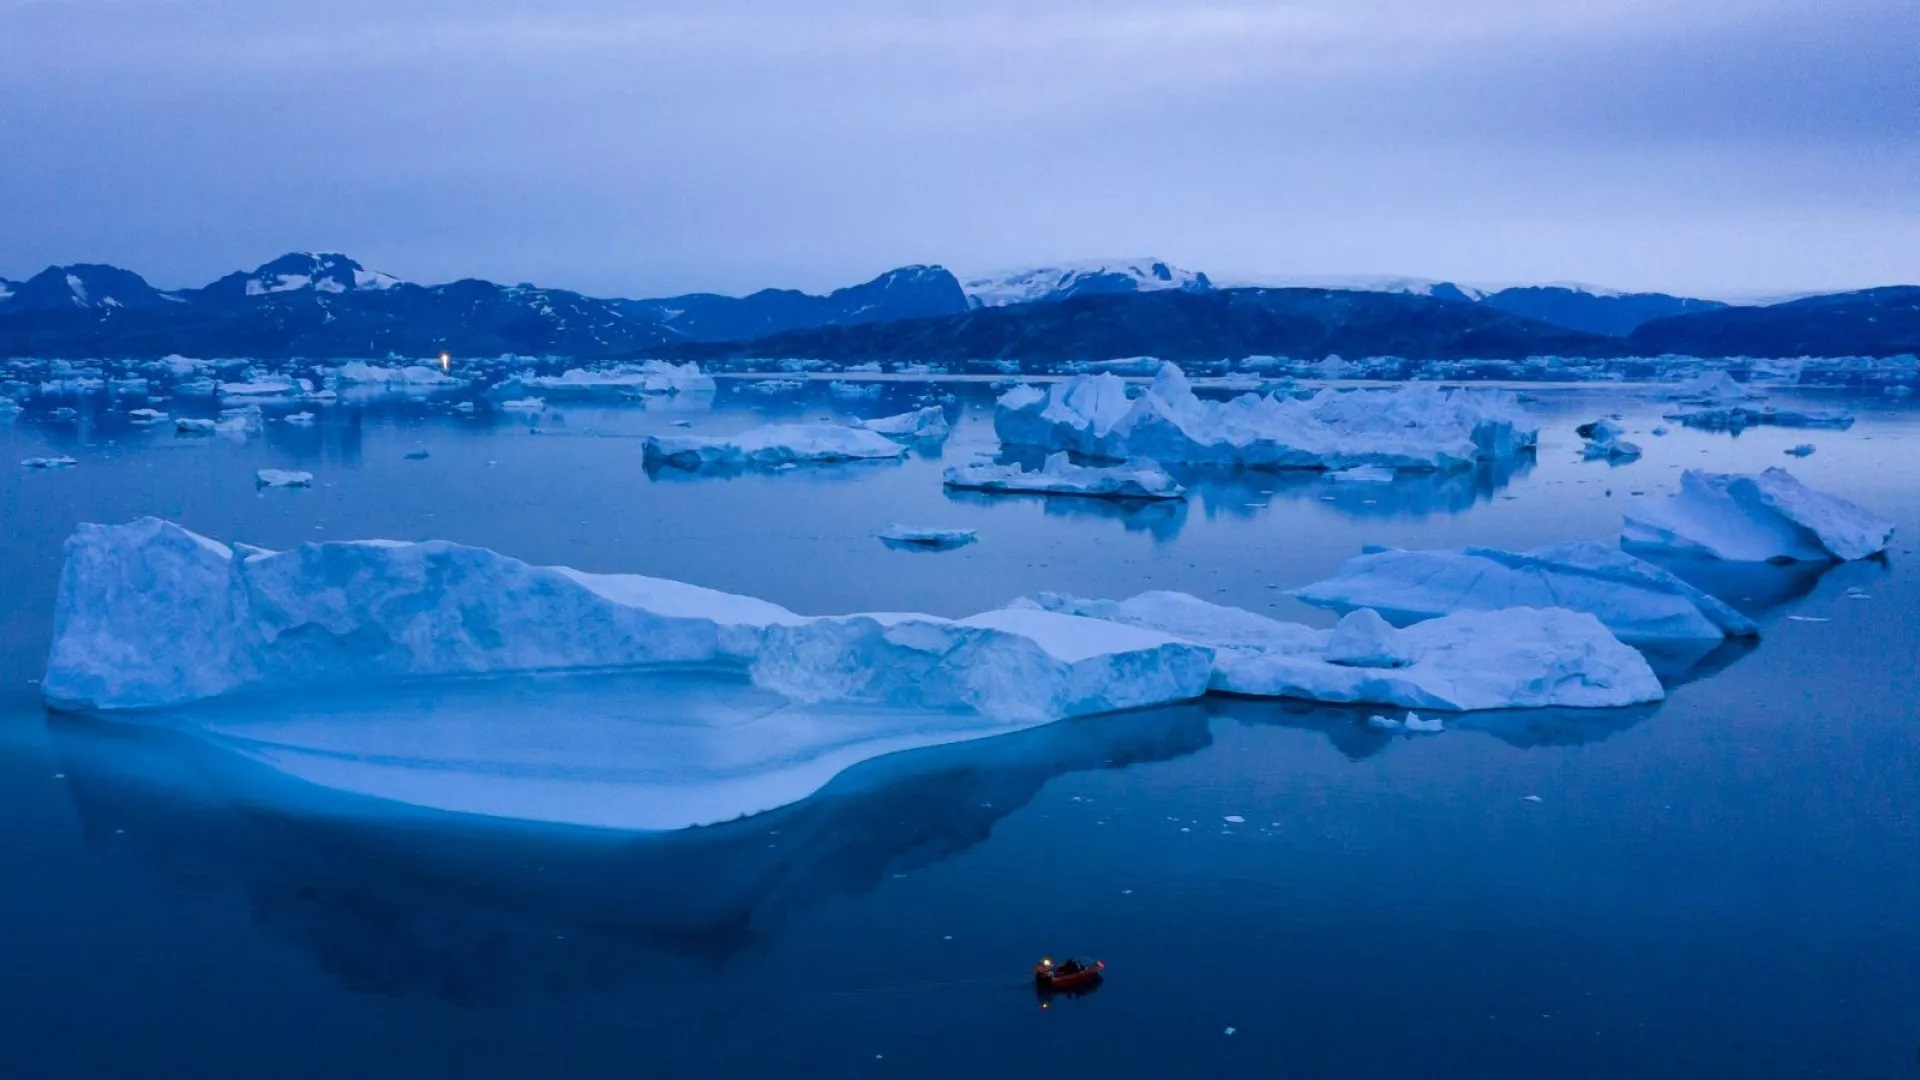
{"x":1708,"y":147}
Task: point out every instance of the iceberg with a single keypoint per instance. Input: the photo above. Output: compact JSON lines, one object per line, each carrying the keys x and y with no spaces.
{"x":146,"y":416}
{"x":1418,"y":426}
{"x":914,"y":536}
{"x":1637,"y":601}
{"x":150,"y":614}
{"x":299,"y":419}
{"x":1059,"y":476}
{"x":1769,"y":517}
{"x":1713,"y":388}
{"x":622,"y":381}
{"x":1739,"y":417}
{"x":60,"y":462}
{"x":525,"y":405}
{"x":929,"y":423}
{"x":1518,"y":657}
{"x":358,"y":375}
{"x":771,"y":445}
{"x":266,"y":388}
{"x":282,"y":478}
{"x":1604,"y":441}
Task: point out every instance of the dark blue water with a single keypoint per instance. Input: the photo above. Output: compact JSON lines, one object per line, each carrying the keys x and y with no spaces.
{"x":1721,"y":885}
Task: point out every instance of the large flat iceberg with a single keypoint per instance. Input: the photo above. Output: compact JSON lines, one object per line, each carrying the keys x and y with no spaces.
{"x":770,"y":445}
{"x":1638,"y":601}
{"x":1059,"y":476}
{"x":622,"y":381}
{"x":1512,"y":658}
{"x":1769,"y":517}
{"x":150,"y":614}
{"x":1418,"y":426}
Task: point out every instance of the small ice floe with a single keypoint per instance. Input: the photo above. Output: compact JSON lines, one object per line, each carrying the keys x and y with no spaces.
{"x":65,"y":412}
{"x":1764,"y":518}
{"x":1604,"y":442}
{"x":929,"y":423}
{"x":1530,"y":798}
{"x":1660,"y":431}
{"x":913,"y":536}
{"x":60,"y":462}
{"x":681,"y":423}
{"x":1059,"y":476}
{"x":463,"y":407}
{"x":418,"y":455}
{"x":841,"y":389}
{"x":1412,"y":723}
{"x":525,"y":404}
{"x":280,"y":478}
{"x":771,"y":446}
{"x":299,"y":419}
{"x":1807,"y":618}
{"x":1231,"y":1030}
{"x":1803,"y":450}
{"x":1234,"y":819}
{"x":146,"y":416}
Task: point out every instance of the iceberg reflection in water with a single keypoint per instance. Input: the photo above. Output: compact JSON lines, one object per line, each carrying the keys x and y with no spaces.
{"x":398,"y":900}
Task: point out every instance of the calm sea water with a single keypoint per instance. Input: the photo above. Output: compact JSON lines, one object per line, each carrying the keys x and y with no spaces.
{"x":1723,"y":885}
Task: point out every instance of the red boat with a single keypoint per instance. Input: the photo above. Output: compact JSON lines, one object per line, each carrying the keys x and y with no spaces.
{"x":1066,"y":975}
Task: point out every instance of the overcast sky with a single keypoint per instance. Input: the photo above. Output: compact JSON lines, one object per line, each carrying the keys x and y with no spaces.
{"x":640,"y":148}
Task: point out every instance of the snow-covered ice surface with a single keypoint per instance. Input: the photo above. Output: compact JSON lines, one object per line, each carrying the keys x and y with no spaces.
{"x":1516,"y":657}
{"x":1768,"y":517}
{"x":926,"y":423}
{"x":1060,"y":476}
{"x":1416,"y":426}
{"x":1638,"y":601}
{"x":774,"y":444}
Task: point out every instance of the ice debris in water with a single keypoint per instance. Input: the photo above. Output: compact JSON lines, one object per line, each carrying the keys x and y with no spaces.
{"x":1517,"y":657}
{"x":146,"y":416}
{"x":1805,"y":449}
{"x":1417,"y":426}
{"x":1060,"y":476}
{"x":59,"y":462}
{"x":771,"y":445}
{"x":1743,"y":518}
{"x":654,"y":377}
{"x":299,"y":419}
{"x":930,"y":538}
{"x":929,"y":423}
{"x":282,"y":478}
{"x":150,"y":614}
{"x":1604,"y":442}
{"x":524,"y":405}
{"x":1638,"y":601}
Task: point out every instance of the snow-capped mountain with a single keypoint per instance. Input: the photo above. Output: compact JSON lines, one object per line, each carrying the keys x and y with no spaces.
{"x":1046,"y":283}
{"x":302,"y":272}
{"x":82,"y":287}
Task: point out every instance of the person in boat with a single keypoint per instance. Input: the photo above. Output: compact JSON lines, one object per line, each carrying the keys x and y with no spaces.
{"x":1070,"y":967}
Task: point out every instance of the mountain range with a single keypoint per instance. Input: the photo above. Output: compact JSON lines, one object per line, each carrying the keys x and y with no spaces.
{"x":327,"y":304}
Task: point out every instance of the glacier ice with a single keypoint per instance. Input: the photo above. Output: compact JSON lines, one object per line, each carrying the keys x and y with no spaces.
{"x":1769,"y":517}
{"x":1638,"y":601}
{"x":920,"y":536}
{"x":1059,"y":476}
{"x":1417,"y":426}
{"x":282,"y":478}
{"x":620,"y":381}
{"x":150,"y":614}
{"x":770,"y":445}
{"x":1518,"y":657}
{"x":929,"y":423}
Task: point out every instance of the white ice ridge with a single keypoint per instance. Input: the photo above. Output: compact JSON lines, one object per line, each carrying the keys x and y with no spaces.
{"x":1636,"y":600}
{"x":1769,"y":517}
{"x":928,"y":423}
{"x":620,"y":381}
{"x":1059,"y":476}
{"x":150,"y":614}
{"x":770,"y":445}
{"x":1519,"y":657}
{"x":1418,"y":426}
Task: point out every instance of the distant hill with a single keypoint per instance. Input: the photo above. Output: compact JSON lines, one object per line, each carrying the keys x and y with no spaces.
{"x":1870,"y":322}
{"x":906,"y":293}
{"x":1593,"y":311}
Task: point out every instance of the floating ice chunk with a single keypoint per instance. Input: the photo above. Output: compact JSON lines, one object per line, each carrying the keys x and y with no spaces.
{"x":1604,"y":441}
{"x":60,"y":462}
{"x":842,"y":389}
{"x":299,"y":419}
{"x":282,"y":478}
{"x":267,"y":388}
{"x":1363,"y":474}
{"x":151,"y":614}
{"x":1636,"y":600}
{"x":413,"y":378}
{"x":527,"y":404}
{"x":1737,"y":417}
{"x":1713,"y":388}
{"x":232,"y":422}
{"x":146,"y":416}
{"x":1418,"y":426}
{"x":772,"y":445}
{"x":418,"y":455}
{"x":1016,"y":664}
{"x":773,"y":386}
{"x":622,"y":381}
{"x":463,"y":406}
{"x":1805,"y":449}
{"x":1768,"y":517}
{"x":1059,"y":476}
{"x":1364,"y":639}
{"x":921,"y":537}
{"x":1416,"y":723}
{"x":1514,"y":658}
{"x":929,"y":423}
